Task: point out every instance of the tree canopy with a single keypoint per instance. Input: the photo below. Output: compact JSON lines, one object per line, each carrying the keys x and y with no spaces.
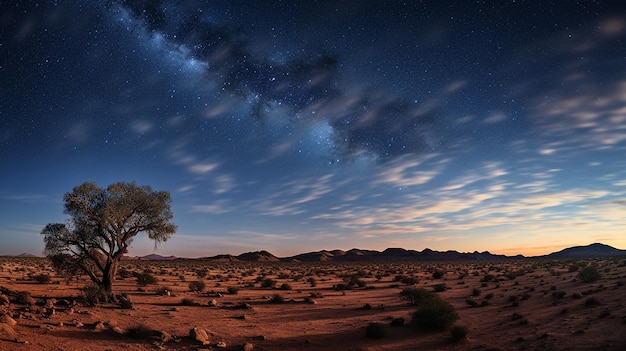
{"x":101,"y":226}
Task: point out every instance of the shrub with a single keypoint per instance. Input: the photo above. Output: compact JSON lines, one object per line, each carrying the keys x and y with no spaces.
{"x":459,"y":332}
{"x":415,"y":295}
{"x":233,"y":290}
{"x":476,"y":292}
{"x":277,"y":298}
{"x":285,"y":286}
{"x":187,"y":302}
{"x":162,"y":290}
{"x":42,"y":278}
{"x":197,"y":285}
{"x":440,"y":287}
{"x":589,"y":274}
{"x":487,"y":278}
{"x":312,"y":281}
{"x":146,"y":278}
{"x":433,"y":313}
{"x":124,"y":273}
{"x":437,"y":274}
{"x":139,"y":331}
{"x":375,"y":331}
{"x":93,"y":295}
{"x":268,"y":283}
{"x":591,"y":302}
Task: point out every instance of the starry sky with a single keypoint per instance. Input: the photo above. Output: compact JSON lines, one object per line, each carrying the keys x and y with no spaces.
{"x":295,"y":126}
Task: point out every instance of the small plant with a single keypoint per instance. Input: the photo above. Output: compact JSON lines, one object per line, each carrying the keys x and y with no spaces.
{"x":42,"y":278}
{"x":93,"y":295}
{"x":433,"y":313}
{"x":197,"y":286}
{"x":415,"y":295}
{"x":146,"y":278}
{"x":592,"y":302}
{"x":589,"y":274}
{"x":162,"y":290}
{"x":268,"y":283}
{"x":139,"y":331}
{"x":277,"y":298}
{"x":437,"y":274}
{"x":285,"y":286}
{"x":233,"y":290}
{"x":187,"y":302}
{"x":476,"y":292}
{"x":459,"y":332}
{"x":124,"y":273}
{"x":440,"y":287}
{"x":375,"y":331}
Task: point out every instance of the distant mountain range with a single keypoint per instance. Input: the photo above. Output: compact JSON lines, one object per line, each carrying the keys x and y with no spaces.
{"x":404,"y":255}
{"x":395,"y":255}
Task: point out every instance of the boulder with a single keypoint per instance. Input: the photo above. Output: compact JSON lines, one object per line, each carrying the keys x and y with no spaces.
{"x":5,"y":318}
{"x":7,"y":332}
{"x":199,"y":335}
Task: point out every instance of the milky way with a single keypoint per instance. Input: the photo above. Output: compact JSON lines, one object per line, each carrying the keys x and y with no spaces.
{"x":302,"y":126}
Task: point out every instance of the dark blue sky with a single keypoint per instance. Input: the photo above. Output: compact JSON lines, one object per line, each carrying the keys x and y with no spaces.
{"x":299,"y":126}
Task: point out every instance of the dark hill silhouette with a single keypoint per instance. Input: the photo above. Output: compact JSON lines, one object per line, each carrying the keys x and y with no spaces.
{"x":258,"y":256}
{"x":592,"y":250}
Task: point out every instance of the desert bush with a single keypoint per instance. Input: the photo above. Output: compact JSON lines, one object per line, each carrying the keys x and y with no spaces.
{"x":277,"y":298}
{"x":591,"y":302}
{"x":197,"y":286}
{"x":93,"y":295}
{"x":233,"y":290}
{"x":440,"y":287}
{"x":42,"y":278}
{"x":476,"y":292}
{"x":433,"y":313}
{"x":438,"y":274}
{"x":375,"y":331}
{"x":487,"y":278}
{"x":268,"y":283}
{"x":285,"y":286}
{"x":139,"y":331}
{"x":459,"y":332}
{"x":589,"y":274}
{"x":415,"y":295}
{"x":162,"y":290}
{"x":146,"y":278}
{"x":124,"y":273}
{"x":187,"y":302}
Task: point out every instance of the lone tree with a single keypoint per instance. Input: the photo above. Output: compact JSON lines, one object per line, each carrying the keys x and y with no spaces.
{"x":101,"y":226}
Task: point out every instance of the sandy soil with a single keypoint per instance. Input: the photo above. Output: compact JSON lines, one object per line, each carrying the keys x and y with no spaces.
{"x":518,"y":305}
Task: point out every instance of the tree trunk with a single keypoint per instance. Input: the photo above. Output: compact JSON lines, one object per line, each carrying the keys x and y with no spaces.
{"x":108,"y":275}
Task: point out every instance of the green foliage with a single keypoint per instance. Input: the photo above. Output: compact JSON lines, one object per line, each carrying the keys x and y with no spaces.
{"x":589,"y":274}
{"x":375,"y":331}
{"x":101,"y":226}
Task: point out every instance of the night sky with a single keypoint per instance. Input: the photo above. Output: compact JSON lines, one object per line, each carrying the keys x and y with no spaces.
{"x":295,"y":126}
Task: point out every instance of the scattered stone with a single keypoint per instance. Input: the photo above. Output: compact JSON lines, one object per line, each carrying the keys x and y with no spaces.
{"x":199,"y":335}
{"x":117,"y":330}
{"x":4,"y":300}
{"x":243,"y":316}
{"x":50,"y":303}
{"x":124,"y":302}
{"x":5,"y":318}
{"x":99,"y":326}
{"x":6,"y":332}
{"x":261,"y":337}
{"x":79,"y":325}
{"x":213,"y":303}
{"x":166,"y":337}
{"x":221,"y":345}
{"x":48,"y":312}
{"x":63,"y":302}
{"x":248,"y":347}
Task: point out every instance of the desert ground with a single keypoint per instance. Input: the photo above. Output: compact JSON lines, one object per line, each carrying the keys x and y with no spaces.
{"x":508,"y":305}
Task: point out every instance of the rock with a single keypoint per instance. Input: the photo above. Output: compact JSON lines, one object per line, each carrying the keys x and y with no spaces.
{"x":48,"y":312}
{"x":4,"y":300}
{"x":248,"y":347}
{"x":221,"y":345}
{"x":397,"y":322}
{"x":50,"y":303}
{"x":213,"y":303}
{"x":5,"y":318}
{"x":99,"y":326}
{"x":63,"y":302}
{"x":166,"y":337}
{"x":117,"y":330}
{"x":79,"y":325}
{"x":7,"y":332}
{"x":125,"y":303}
{"x":199,"y":335}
